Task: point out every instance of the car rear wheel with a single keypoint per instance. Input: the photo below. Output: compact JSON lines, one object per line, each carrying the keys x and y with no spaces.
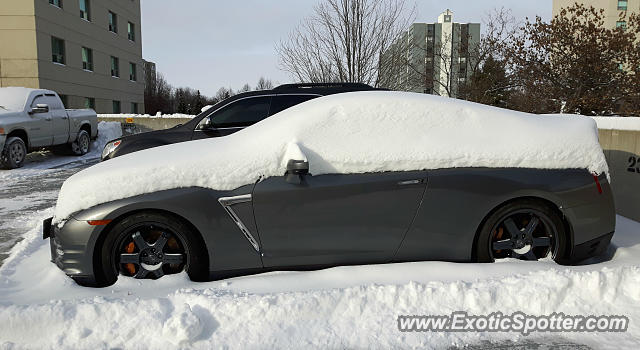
{"x":149,"y":246}
{"x":81,"y":145}
{"x":525,"y":230}
{"x":13,"y":154}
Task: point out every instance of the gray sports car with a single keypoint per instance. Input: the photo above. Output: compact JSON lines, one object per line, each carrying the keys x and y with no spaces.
{"x":299,"y":220}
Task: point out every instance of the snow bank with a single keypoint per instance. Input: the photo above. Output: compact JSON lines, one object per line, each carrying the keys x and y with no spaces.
{"x":159,"y":115}
{"x":345,"y":307}
{"x":348,"y":133}
{"x":618,"y":123}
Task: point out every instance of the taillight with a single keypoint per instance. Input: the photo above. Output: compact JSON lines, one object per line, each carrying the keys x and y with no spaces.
{"x":595,"y":178}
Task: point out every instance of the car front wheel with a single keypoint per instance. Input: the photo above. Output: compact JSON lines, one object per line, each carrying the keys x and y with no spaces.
{"x":149,"y":246}
{"x":13,"y":154}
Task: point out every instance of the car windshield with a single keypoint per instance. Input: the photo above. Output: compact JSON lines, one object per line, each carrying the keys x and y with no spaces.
{"x":13,"y":99}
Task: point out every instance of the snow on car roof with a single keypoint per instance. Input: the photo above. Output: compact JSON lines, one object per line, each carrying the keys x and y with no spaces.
{"x":13,"y":98}
{"x":355,"y":132}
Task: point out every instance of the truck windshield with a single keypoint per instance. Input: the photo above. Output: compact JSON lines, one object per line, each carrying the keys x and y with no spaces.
{"x":13,"y":99}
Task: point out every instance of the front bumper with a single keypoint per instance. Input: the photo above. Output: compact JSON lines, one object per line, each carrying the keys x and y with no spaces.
{"x":72,"y":247}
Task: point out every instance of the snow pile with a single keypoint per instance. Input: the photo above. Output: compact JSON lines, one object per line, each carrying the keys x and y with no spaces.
{"x":159,"y":115}
{"x":618,"y":123}
{"x":107,"y":131}
{"x":345,"y":307}
{"x":348,"y":133}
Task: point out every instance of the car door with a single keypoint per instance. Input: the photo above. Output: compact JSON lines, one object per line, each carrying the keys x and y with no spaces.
{"x":40,"y":125}
{"x":233,"y":117}
{"x":335,"y":219}
{"x":60,"y":120}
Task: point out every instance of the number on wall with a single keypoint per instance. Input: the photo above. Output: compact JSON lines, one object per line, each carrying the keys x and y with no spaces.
{"x":632,"y":165}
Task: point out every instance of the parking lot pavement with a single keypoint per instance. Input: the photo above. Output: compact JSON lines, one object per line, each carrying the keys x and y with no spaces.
{"x":26,"y":191}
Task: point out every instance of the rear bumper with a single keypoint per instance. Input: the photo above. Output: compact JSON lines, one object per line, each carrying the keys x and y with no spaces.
{"x":3,"y":139}
{"x":592,"y":248}
{"x":71,"y":248}
{"x":592,"y":225}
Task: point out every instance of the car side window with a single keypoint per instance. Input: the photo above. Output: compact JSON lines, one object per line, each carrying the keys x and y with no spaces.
{"x":242,"y":113}
{"x":40,"y":100}
{"x":53,"y":102}
{"x":282,"y":102}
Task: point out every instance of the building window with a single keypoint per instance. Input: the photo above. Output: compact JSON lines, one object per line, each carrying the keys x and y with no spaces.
{"x":134,"y":108}
{"x":87,"y":59}
{"x":57,"y":50}
{"x":621,"y":24}
{"x":113,"y":22}
{"x":622,"y":5}
{"x":131,"y":28}
{"x":90,"y":103}
{"x":56,"y":3}
{"x":447,"y":18}
{"x":133,"y":76}
{"x":116,"y":107}
{"x":115,"y":67}
{"x":85,"y":10}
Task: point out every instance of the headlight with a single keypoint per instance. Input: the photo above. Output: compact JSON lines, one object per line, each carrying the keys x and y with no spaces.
{"x":110,"y":147}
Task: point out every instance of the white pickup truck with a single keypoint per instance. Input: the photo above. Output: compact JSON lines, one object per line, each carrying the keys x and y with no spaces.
{"x":33,"y":119}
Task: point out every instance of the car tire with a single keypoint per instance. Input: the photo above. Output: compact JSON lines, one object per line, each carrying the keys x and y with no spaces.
{"x":495,"y":233}
{"x":108,"y":267}
{"x":13,"y":154}
{"x":82,"y":144}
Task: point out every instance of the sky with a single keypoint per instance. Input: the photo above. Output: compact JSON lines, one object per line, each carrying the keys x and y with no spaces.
{"x":208,"y":44}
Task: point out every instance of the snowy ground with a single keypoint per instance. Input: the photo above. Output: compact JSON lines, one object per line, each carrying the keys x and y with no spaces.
{"x":26,"y":191}
{"x":345,"y":307}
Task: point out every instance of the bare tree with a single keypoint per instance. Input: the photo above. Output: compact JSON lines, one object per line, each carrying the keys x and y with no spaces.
{"x":245,"y":88}
{"x":264,"y":84}
{"x":344,"y":41}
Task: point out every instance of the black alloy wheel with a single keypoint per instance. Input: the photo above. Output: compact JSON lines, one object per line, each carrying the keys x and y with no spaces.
{"x":526,"y":229}
{"x":149,"y":245}
{"x":524,"y":235}
{"x":150,"y":251}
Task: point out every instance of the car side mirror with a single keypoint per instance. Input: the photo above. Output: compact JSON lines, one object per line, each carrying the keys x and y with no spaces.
{"x":206,"y":124}
{"x":39,"y":108}
{"x":296,"y":169}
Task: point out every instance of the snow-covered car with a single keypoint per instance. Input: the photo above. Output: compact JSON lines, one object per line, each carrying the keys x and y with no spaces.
{"x":32,"y":119}
{"x":353,"y":178}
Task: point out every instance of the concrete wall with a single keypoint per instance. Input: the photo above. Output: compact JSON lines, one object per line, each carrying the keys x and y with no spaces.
{"x":622,"y":149}
{"x":18,"y":51}
{"x":138,"y":125}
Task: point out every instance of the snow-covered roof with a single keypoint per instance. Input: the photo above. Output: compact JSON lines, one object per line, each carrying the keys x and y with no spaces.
{"x":355,"y":132}
{"x":14,"y":98}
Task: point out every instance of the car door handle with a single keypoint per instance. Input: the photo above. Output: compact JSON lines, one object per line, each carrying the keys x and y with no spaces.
{"x":65,"y":118}
{"x":410,"y":182}
{"x":47,"y":118}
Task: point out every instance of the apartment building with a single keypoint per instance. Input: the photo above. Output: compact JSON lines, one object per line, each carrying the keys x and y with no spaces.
{"x":435,"y":57}
{"x":89,"y":51}
{"x":613,"y":9}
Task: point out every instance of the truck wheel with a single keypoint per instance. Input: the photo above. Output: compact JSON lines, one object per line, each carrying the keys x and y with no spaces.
{"x":80,"y":146}
{"x":13,"y":154}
